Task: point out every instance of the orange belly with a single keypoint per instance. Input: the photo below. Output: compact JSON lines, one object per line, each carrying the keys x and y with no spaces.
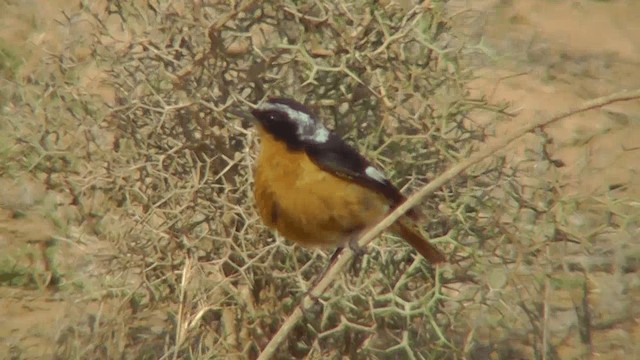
{"x":307,"y":205}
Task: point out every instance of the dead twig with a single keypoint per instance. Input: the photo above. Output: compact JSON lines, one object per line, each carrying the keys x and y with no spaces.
{"x":488,"y":151}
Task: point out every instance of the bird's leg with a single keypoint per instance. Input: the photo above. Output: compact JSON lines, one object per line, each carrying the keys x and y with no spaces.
{"x":358,"y":251}
{"x":324,"y":272}
{"x":333,"y":258}
{"x":358,"y":254}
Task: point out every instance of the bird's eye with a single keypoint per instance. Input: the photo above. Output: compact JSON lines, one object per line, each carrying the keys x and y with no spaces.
{"x":272,"y":117}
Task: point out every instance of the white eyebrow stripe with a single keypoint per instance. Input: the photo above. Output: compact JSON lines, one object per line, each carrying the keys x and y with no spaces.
{"x":305,"y":121}
{"x":375,"y":174}
{"x":295,"y":115}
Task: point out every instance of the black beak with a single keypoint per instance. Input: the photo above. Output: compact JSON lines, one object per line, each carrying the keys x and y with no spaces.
{"x":257,"y":114}
{"x":246,"y":119}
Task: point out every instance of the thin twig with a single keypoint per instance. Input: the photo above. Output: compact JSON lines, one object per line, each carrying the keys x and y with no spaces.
{"x":546,"y":320}
{"x":182,"y":322}
{"x":426,"y":190}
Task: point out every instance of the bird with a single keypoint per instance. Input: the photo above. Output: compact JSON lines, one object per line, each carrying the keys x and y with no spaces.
{"x":315,"y":189}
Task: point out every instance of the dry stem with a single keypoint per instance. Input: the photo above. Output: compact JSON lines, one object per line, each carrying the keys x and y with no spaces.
{"x":428,"y":189}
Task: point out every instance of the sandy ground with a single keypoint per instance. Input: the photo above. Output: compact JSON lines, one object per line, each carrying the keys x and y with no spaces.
{"x":549,"y":56}
{"x":546,"y":57}
{"x":543,"y":56}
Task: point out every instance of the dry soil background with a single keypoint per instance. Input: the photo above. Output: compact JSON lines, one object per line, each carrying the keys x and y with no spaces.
{"x":543,"y":56}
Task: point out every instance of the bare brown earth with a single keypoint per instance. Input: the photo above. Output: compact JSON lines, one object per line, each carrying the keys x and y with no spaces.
{"x":543,"y":56}
{"x":549,"y":56}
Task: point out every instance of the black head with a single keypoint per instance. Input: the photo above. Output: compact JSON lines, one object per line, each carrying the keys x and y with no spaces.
{"x":291,"y":122}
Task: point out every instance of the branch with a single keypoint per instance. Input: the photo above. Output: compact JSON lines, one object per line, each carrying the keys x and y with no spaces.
{"x":426,"y":190}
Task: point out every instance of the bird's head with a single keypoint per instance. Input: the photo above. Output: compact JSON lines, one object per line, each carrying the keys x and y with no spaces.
{"x":291,"y":122}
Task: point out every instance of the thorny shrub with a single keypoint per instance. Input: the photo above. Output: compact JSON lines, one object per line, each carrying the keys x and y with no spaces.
{"x":168,"y":170}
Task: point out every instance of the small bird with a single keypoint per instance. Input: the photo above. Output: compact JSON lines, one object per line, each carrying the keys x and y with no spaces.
{"x":317,"y":190}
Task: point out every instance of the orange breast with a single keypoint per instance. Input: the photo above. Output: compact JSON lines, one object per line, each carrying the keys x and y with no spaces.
{"x":306,"y":204}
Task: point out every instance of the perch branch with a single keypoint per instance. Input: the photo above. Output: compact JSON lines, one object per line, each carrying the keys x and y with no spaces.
{"x":426,"y":190}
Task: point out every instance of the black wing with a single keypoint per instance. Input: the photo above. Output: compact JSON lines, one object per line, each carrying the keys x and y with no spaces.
{"x":340,"y":159}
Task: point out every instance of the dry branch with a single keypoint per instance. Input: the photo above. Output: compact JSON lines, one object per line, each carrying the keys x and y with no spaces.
{"x":441,"y":180}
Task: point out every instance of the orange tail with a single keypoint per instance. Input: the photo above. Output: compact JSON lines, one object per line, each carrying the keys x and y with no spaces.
{"x":422,"y":245}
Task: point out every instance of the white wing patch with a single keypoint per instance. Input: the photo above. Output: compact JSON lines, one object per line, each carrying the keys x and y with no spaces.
{"x":375,"y":174}
{"x":320,"y":135}
{"x":308,"y":127}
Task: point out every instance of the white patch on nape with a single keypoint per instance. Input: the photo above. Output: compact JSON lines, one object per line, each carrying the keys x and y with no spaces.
{"x":375,"y":174}
{"x":301,"y":118}
{"x":308,"y":128}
